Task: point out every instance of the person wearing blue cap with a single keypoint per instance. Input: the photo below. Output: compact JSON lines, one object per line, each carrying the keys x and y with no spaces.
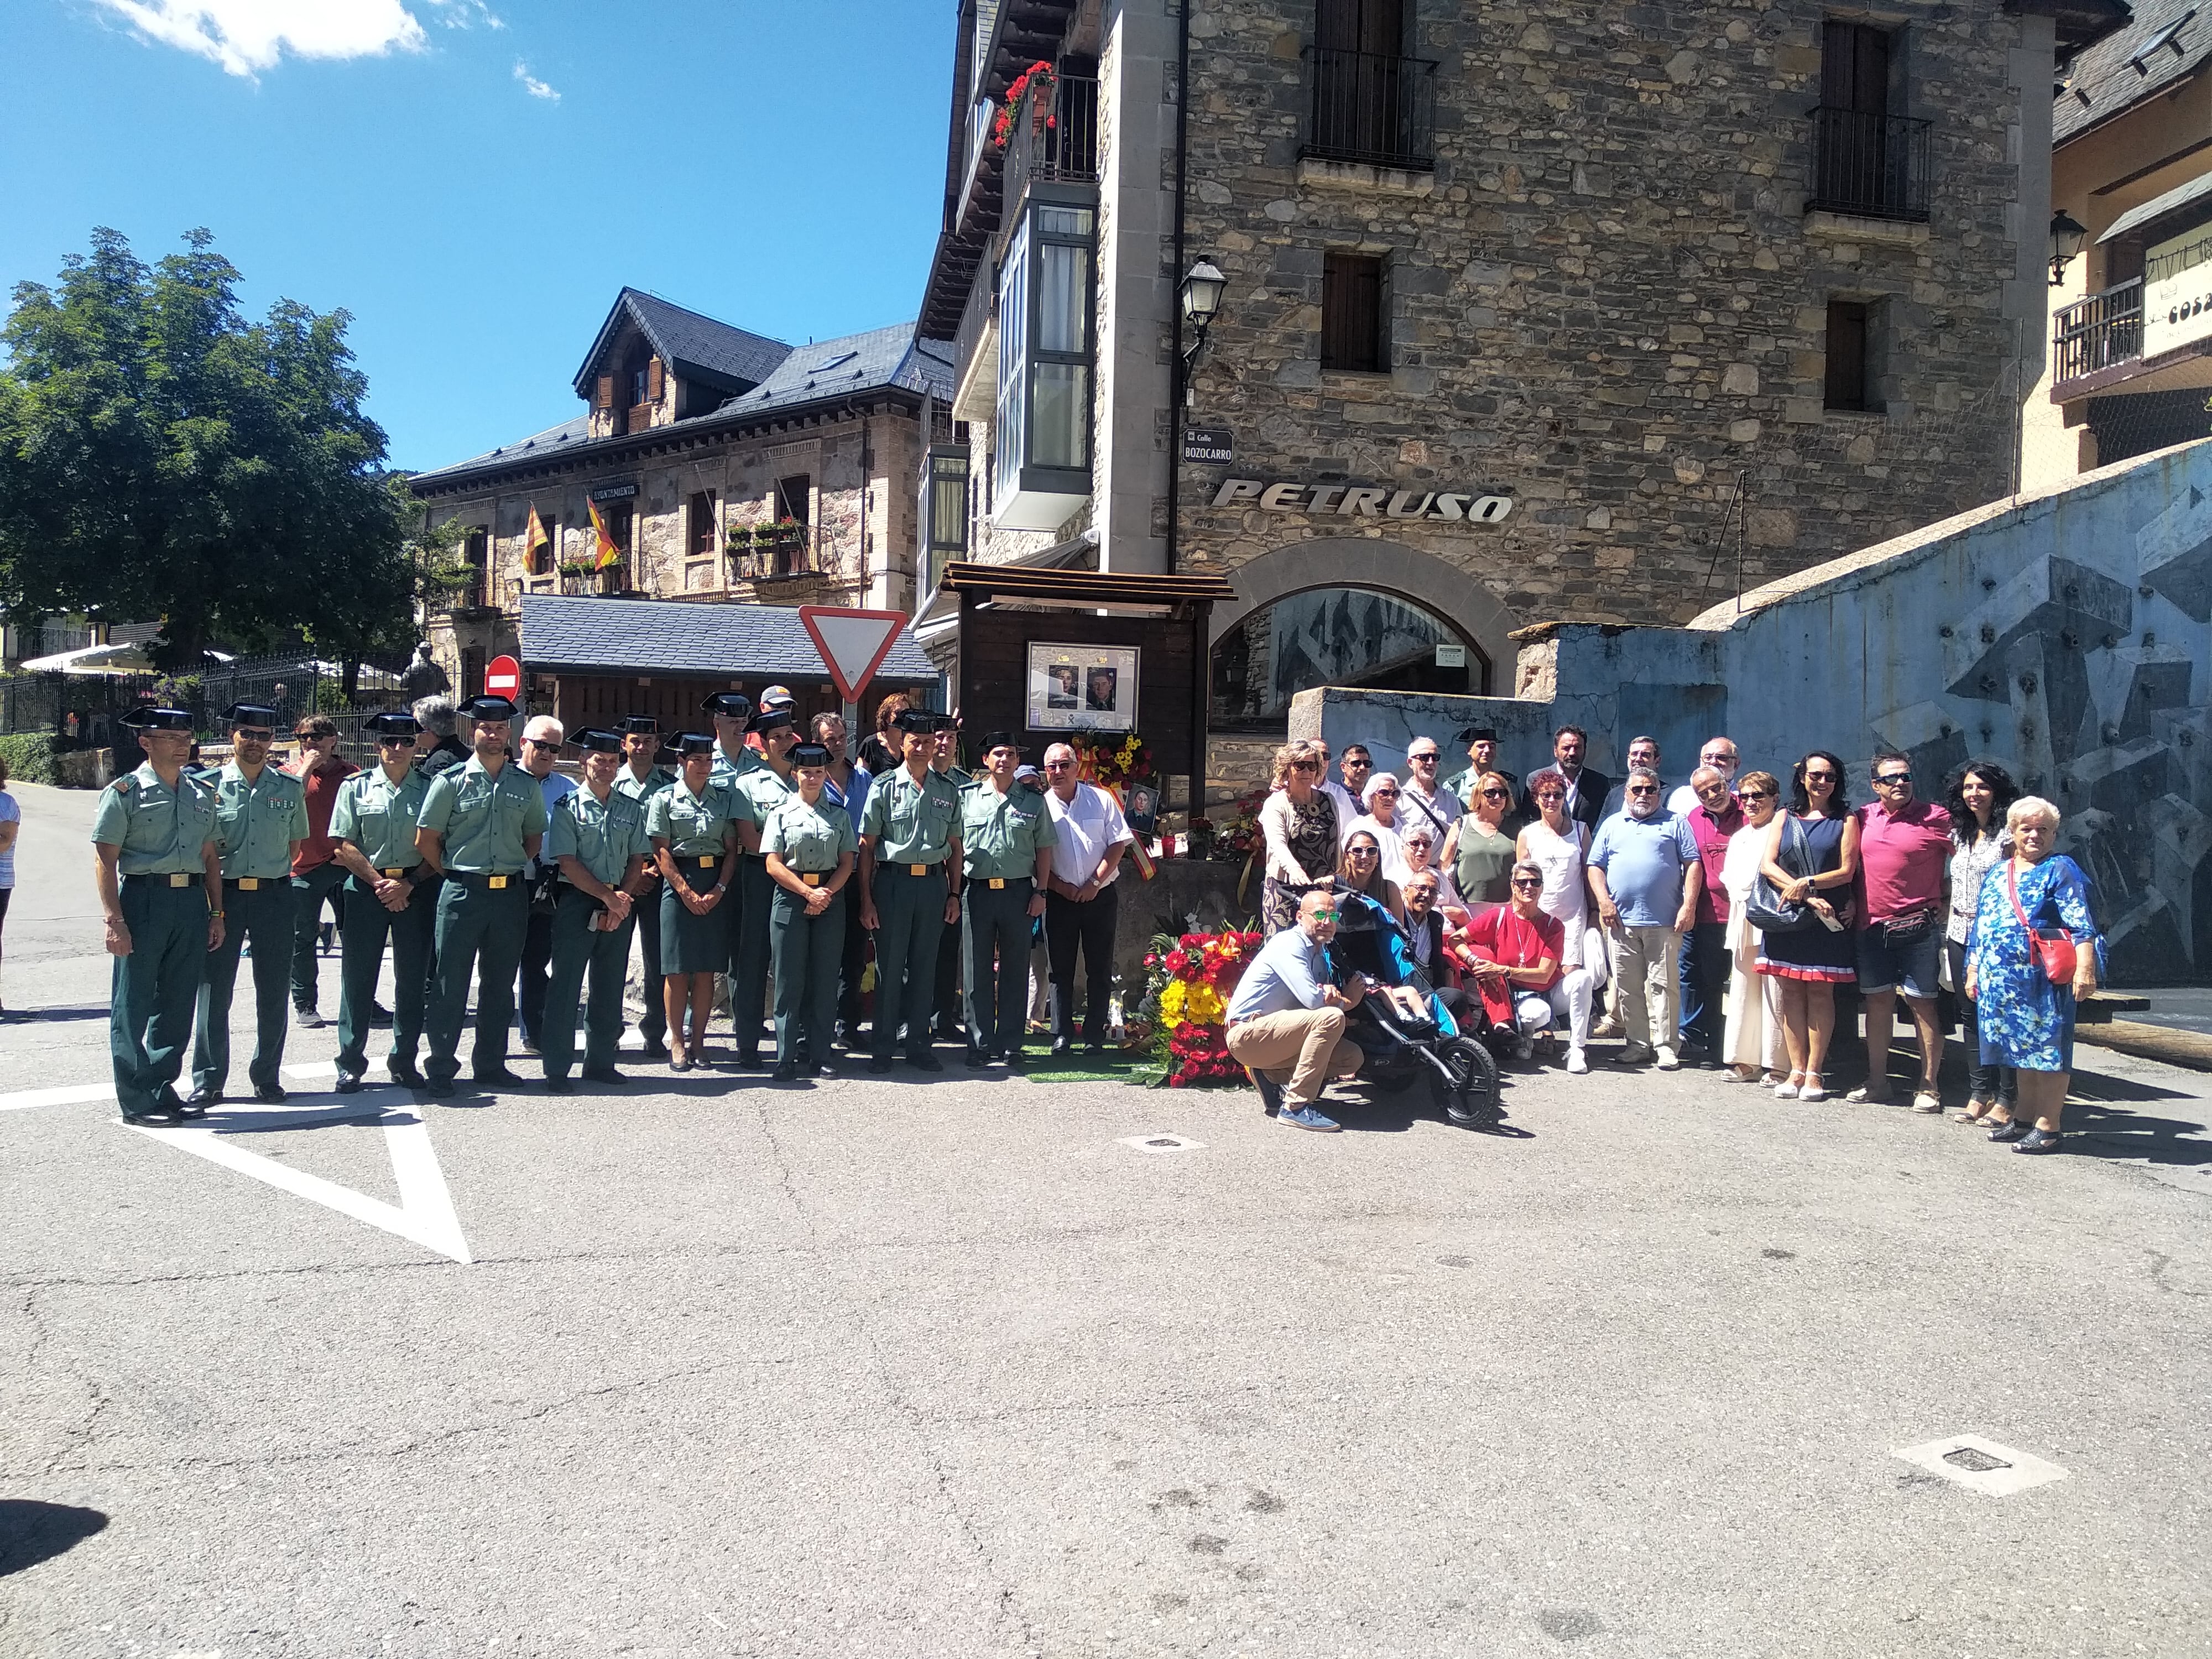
{"x":481,"y":822}
{"x":641,"y":778}
{"x":160,"y":873}
{"x":391,"y":894}
{"x":261,"y":814}
{"x":599,"y":845}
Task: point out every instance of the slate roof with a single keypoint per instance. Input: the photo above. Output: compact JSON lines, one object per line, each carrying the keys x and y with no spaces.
{"x":2104,"y":75}
{"x":695,"y":347}
{"x":704,"y":641}
{"x":569,"y":435}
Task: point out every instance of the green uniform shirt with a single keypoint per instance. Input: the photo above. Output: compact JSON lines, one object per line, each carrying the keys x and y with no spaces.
{"x":484,"y":817}
{"x":602,"y":835}
{"x":912,"y":822}
{"x":162,"y":831}
{"x":629,"y":786}
{"x":258,"y":822}
{"x":691,"y":824}
{"x":378,"y":817}
{"x":763,"y":790}
{"x":1461,"y":785}
{"x":809,"y":838}
{"x":727,"y":770}
{"x":1000,"y":835}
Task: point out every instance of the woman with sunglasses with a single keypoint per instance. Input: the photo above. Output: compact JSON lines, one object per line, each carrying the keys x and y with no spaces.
{"x":1482,"y":853}
{"x":1421,"y":844}
{"x":1384,"y":821}
{"x":1298,"y":825}
{"x":1982,"y":794}
{"x":1360,"y":871}
{"x":1752,"y":1045}
{"x":1556,"y":844}
{"x":1811,"y":851}
{"x":1511,"y":954}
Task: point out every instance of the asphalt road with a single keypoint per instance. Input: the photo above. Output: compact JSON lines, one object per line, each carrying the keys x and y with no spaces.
{"x":946,"y":1368}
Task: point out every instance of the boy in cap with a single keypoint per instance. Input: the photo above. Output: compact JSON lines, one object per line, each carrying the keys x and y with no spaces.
{"x":910,"y":887}
{"x":391,"y":894}
{"x":158,"y":867}
{"x":597,"y":841}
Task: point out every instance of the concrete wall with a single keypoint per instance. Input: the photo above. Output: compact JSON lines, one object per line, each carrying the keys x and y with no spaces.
{"x":2065,"y":635}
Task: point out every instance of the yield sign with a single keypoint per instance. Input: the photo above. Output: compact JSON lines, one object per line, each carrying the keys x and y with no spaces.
{"x":853,"y":643}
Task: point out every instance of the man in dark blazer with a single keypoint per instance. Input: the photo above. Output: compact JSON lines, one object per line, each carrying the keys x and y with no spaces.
{"x":1586,"y":786}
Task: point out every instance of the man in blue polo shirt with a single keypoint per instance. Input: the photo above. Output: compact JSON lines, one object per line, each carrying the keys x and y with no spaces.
{"x":1644,"y":877}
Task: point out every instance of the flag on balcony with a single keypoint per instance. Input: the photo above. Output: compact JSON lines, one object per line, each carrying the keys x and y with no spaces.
{"x":533,"y":538}
{"x":609,"y":554}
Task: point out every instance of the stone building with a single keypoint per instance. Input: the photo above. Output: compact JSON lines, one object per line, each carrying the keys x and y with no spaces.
{"x":2131,"y":360}
{"x":724,"y":468}
{"x":1602,"y":312}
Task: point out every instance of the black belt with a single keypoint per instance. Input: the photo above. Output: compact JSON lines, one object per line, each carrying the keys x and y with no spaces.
{"x":486,"y":880}
{"x":997,"y":884}
{"x":936,"y":869}
{"x":170,"y":877}
{"x":253,"y":883}
{"x":695,"y":860}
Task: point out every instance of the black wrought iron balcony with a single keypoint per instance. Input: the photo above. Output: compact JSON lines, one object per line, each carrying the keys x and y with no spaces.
{"x":1370,"y":108}
{"x":1052,"y":139}
{"x":1875,"y":166}
{"x":2105,"y":330}
{"x":767,"y":552}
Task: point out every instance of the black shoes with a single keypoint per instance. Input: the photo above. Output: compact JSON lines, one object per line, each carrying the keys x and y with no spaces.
{"x":441,"y":1087}
{"x":1061,"y":1046}
{"x":270,"y":1094}
{"x":654,"y":1050}
{"x":977,"y":1060}
{"x":1016,"y":1062}
{"x":880,"y":1064}
{"x":786,"y":1070}
{"x":925,"y":1061}
{"x":204,"y":1096}
{"x":558,"y":1086}
{"x":378,"y":1014}
{"x":2012,"y":1130}
{"x":2040,"y":1141}
{"x":603,"y":1074}
{"x":403,"y":1072}
{"x":349,"y":1083}
{"x":498,"y":1077}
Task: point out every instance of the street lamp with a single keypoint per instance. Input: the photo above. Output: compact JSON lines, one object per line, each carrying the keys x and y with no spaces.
{"x":1202,"y":300}
{"x":2066,"y":235}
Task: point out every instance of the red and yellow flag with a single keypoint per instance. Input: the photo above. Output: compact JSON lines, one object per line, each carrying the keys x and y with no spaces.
{"x":532,"y":539}
{"x":609,"y":554}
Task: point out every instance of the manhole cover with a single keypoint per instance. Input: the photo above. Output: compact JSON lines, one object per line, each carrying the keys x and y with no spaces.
{"x":1163,"y":1143}
{"x":1981,"y":1465}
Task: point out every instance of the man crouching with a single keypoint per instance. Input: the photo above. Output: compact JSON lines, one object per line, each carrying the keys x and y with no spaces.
{"x":1286,"y":1020}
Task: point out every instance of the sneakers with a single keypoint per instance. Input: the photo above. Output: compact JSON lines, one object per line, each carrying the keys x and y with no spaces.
{"x":1667,"y":1059}
{"x":1524,"y":1050}
{"x":306,"y":1019}
{"x":1577,"y":1064}
{"x":1305,"y":1118}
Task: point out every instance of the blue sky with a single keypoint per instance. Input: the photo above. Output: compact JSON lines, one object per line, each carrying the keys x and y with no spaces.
{"x":475,"y":179}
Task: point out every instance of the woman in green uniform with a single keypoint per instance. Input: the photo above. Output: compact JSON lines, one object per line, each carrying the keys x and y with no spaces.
{"x":694,"y":826}
{"x":809,"y":845}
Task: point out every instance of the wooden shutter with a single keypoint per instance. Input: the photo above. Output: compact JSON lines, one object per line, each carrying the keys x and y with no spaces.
{"x":1372,"y":26}
{"x":653,"y":382}
{"x":604,"y":396}
{"x":1351,"y":311}
{"x":1847,"y":355}
{"x":1854,"y":68}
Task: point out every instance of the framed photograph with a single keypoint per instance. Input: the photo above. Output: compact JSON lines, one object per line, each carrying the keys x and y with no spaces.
{"x":1082,"y":688}
{"x":1141,"y":807}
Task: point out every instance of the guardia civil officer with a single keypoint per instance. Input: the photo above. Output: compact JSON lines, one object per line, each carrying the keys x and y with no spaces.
{"x":808,"y":848}
{"x":733,"y":713}
{"x":951,"y":1021}
{"x":639,"y":780}
{"x":261,"y":818}
{"x":764,"y":788}
{"x":391,"y":893}
{"x":599,"y":844}
{"x":482,"y":821}
{"x":694,"y":826}
{"x":909,"y":887}
{"x":1006,"y":839}
{"x":160,"y":873}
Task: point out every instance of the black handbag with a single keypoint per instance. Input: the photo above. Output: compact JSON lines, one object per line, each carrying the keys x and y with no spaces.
{"x":1766,"y":909}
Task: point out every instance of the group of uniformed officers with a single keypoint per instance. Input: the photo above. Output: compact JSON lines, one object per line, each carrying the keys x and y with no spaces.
{"x":736,"y":865}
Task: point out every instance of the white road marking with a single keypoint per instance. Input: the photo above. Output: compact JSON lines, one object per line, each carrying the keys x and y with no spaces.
{"x":1163,"y":1143}
{"x":74,"y":1094}
{"x":2017,"y":1470}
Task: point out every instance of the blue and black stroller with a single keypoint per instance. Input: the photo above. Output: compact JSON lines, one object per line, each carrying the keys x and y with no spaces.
{"x":1403,"y":1050}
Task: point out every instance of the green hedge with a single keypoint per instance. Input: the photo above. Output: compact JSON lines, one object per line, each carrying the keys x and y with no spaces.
{"x":30,"y":756}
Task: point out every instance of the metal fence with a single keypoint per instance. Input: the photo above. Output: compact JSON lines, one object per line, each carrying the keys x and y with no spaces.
{"x":81,"y":710}
{"x":1874,"y":165}
{"x":1372,"y":108}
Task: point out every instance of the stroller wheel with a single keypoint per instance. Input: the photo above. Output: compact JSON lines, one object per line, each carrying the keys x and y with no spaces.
{"x":1471,"y":1098}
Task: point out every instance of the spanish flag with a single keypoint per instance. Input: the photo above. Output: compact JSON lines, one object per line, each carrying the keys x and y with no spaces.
{"x":532,"y":539}
{"x":609,"y":554}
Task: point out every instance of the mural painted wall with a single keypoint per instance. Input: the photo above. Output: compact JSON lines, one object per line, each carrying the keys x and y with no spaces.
{"x":2066,"y":634}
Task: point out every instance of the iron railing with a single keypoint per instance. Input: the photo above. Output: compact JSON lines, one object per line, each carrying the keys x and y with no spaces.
{"x":1872,"y":166}
{"x":769,"y":552}
{"x":2101,"y":332}
{"x":1058,"y":146}
{"x":1372,"y":109}
{"x":595,"y":582}
{"x":980,"y":311}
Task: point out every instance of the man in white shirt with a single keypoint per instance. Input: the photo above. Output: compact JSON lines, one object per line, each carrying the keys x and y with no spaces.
{"x":1286,"y":1019}
{"x":541,"y":752}
{"x":1081,"y":902}
{"x":1421,"y":798}
{"x":1719,"y":753}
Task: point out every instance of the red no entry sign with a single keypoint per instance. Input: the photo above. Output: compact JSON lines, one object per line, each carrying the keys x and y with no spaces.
{"x":503,"y":677}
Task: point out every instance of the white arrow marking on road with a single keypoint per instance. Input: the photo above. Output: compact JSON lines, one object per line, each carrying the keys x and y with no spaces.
{"x":425,"y":1213}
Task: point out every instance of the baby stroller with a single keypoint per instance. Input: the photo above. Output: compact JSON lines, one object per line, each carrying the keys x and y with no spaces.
{"x":1403,"y":1047}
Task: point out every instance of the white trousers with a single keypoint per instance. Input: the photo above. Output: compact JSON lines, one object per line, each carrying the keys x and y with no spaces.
{"x":1752,"y":1036}
{"x":1569,"y":999}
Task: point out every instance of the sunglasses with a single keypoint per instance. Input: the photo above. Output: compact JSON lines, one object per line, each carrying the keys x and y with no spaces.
{"x":395,"y":742}
{"x":1058,"y":766}
{"x":1642,"y":789}
{"x":1422,"y":760}
{"x":1757,"y":794}
{"x":1296,"y":766}
{"x":1381,"y":792}
{"x":1527,"y":881}
{"x":1324,"y":915}
{"x":1550,"y":794}
{"x":1893,"y":777}
{"x":1361,"y":853}
{"x":1499,"y":794}
{"x":1820,"y":777}
{"x":1358,"y":765}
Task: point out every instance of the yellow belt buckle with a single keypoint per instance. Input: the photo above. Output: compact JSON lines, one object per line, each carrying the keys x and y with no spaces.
{"x":917,"y":869}
{"x":706,"y":860}
{"x":496,"y":882}
{"x":811,"y":878}
{"x":249,"y":883}
{"x":392,"y":875}
{"x":997,"y":882}
{"x":181,"y":878}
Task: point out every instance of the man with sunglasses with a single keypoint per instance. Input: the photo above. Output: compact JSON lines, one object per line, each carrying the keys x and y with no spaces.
{"x":1904,"y":850}
{"x":1421,"y":798}
{"x":1351,"y":795}
{"x":1645,"y":876}
{"x":1704,"y":948}
{"x":1285,"y":1022}
{"x":542,"y":741}
{"x":389,"y":895}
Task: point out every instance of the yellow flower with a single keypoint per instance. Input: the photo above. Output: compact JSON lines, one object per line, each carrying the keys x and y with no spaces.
{"x":1205,"y":1006}
{"x":1171,"y":1003}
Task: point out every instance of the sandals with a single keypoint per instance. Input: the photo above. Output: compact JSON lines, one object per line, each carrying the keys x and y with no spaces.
{"x":1869,"y":1096}
{"x":1928,"y":1102}
{"x":1787,"y":1088}
{"x":1977,"y":1111}
{"x":1812,"y":1088}
{"x":2011,"y":1129}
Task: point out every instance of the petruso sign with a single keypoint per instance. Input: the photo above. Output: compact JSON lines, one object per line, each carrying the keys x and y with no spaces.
{"x":1363,"y":500}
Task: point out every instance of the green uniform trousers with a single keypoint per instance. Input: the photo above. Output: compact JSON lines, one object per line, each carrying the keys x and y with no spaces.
{"x":909,"y":921}
{"x":579,"y":950}
{"x":646,"y":914}
{"x":367,"y":926}
{"x":313,"y":891}
{"x":749,"y":953}
{"x":265,"y":916}
{"x":808,"y":950}
{"x":480,"y":929}
{"x":150,"y":991}
{"x":998,"y":1001}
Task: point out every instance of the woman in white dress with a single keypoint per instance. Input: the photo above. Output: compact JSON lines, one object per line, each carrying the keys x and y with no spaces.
{"x":1555,"y":844}
{"x":1419,"y":841}
{"x":1752,"y":1045}
{"x":1381,"y":821}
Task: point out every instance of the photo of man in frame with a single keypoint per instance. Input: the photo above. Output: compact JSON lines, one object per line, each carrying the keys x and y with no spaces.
{"x":1102,"y":689}
{"x":1061,"y":689}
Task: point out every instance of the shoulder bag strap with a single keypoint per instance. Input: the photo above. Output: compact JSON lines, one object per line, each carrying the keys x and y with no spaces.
{"x":2012,"y":887}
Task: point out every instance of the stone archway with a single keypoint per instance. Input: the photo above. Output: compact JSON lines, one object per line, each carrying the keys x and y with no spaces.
{"x":1434,"y":584}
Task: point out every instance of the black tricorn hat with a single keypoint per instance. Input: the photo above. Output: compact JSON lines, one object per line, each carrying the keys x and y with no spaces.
{"x":732,"y":705}
{"x":769,"y":719}
{"x":250,"y":715}
{"x":692,"y":743}
{"x":1478,"y":734}
{"x":1002,"y":739}
{"x":641,"y":726}
{"x":486,"y":708}
{"x":389,"y":724}
{"x":597,"y":740}
{"x":921,"y":722}
{"x":809,"y":754}
{"x":148,"y":718}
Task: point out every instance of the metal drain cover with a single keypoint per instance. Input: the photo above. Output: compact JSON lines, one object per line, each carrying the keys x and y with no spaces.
{"x":1163,"y":1143}
{"x":1981,"y":1465}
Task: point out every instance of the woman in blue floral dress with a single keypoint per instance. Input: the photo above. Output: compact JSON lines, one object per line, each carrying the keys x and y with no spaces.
{"x":2027,"y":1022}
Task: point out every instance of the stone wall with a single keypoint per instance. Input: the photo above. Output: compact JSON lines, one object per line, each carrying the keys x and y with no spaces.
{"x":1608,"y":299}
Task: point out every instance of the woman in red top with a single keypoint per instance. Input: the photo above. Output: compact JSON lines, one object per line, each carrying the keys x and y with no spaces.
{"x":1511,"y":956}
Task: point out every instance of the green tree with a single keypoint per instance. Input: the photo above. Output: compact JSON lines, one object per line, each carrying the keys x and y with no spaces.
{"x":161,"y":456}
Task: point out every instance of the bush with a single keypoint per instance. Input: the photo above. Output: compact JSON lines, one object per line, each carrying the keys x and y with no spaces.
{"x":30,"y":756}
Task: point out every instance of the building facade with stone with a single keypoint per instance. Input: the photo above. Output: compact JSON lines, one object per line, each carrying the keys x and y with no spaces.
{"x":1602,"y":312}
{"x":724,"y":468}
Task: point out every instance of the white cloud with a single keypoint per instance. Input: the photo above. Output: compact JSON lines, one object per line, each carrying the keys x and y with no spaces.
{"x":465,"y":14}
{"x":532,"y":85}
{"x":248,"y":36}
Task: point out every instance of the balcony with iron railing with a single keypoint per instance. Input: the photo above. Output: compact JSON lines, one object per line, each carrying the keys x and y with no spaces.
{"x":1871,"y":166}
{"x":1051,"y":139}
{"x":1370,"y":108}
{"x":777,"y":551}
{"x":2101,"y":332}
